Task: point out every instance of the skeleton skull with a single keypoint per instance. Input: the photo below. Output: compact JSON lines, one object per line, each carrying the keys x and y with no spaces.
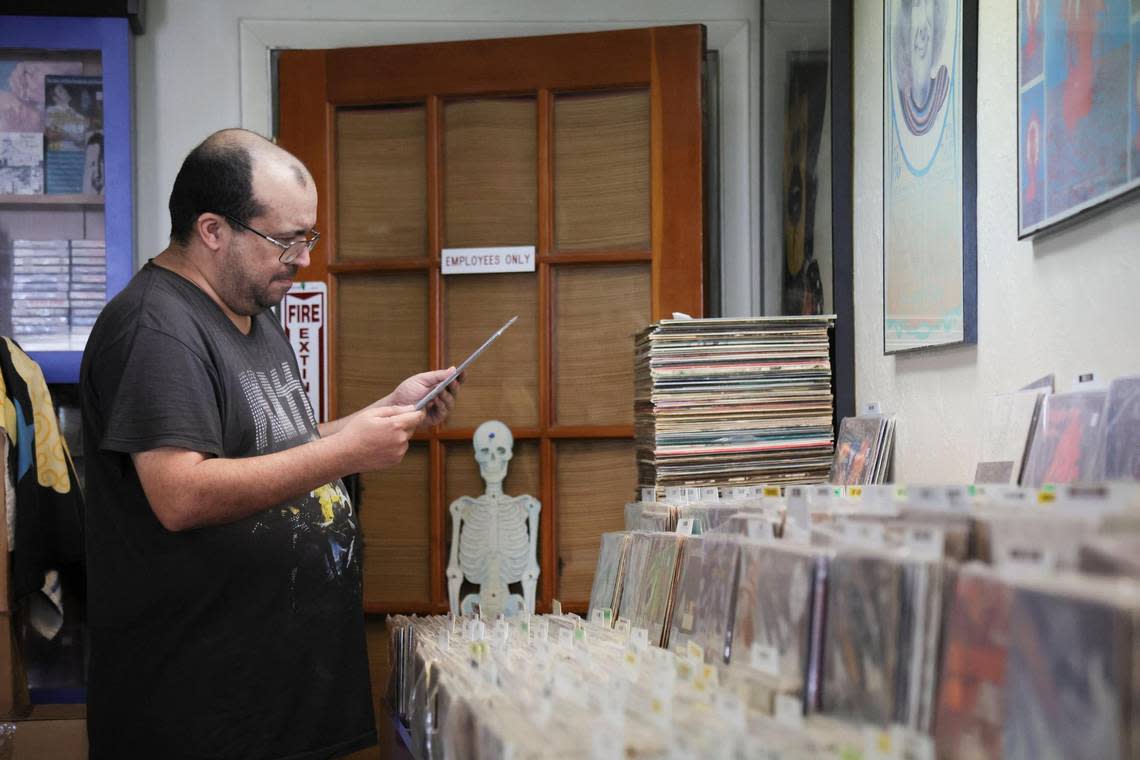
{"x":494,"y":447}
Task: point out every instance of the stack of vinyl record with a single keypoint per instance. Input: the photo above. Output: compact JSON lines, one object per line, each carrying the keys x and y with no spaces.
{"x":733,"y":401}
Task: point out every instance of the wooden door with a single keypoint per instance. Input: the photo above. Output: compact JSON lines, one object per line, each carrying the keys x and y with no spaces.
{"x":586,"y":146}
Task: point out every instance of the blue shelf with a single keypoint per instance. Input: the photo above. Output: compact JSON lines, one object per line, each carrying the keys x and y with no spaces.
{"x":111,"y":37}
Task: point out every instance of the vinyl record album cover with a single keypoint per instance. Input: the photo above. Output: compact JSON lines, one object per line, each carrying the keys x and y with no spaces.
{"x":1008,"y":424}
{"x":857,"y":450}
{"x":774,"y":608}
{"x":1122,"y":429}
{"x":970,"y":696}
{"x":1069,"y":673}
{"x":719,"y":593}
{"x":861,"y":645}
{"x":686,"y":607}
{"x":1066,"y":440}
{"x":606,"y":585}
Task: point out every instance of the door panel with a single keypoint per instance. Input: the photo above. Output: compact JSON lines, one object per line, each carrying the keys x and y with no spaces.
{"x":586,"y":146}
{"x":503,"y":384}
{"x":394,"y":522}
{"x":385,"y":219}
{"x":601,"y":171}
{"x":490,"y":190}
{"x":598,"y":311}
{"x":595,"y":480}
{"x":383,"y":327}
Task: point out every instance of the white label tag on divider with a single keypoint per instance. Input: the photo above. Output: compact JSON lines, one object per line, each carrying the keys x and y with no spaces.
{"x":556,"y":607}
{"x":685,"y":526}
{"x":674,"y":495}
{"x":797,"y":506}
{"x":710,"y":493}
{"x":926,"y":541}
{"x":640,"y":638}
{"x":692,"y":495}
{"x":764,"y":658}
{"x":1031,"y":558}
{"x":789,"y":711}
{"x":871,"y":407}
{"x":758,"y":527}
{"x":565,"y":638}
{"x":649,"y":495}
{"x":731,"y":707}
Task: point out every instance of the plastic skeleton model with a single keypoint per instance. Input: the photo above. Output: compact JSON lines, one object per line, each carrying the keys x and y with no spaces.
{"x":494,"y":537}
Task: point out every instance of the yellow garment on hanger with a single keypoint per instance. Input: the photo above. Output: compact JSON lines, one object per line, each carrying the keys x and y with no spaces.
{"x":52,"y":455}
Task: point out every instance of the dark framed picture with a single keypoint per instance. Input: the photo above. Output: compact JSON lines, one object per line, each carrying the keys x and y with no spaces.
{"x":806,"y":98}
{"x":929,"y":174}
{"x":1078,"y":108}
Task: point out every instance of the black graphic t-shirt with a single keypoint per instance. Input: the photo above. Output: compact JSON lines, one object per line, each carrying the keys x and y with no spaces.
{"x":243,"y":640}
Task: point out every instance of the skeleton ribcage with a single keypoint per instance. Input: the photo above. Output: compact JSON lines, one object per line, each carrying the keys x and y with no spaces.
{"x":494,"y":530}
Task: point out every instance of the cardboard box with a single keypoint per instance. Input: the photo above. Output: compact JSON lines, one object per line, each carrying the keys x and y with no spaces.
{"x":49,"y":732}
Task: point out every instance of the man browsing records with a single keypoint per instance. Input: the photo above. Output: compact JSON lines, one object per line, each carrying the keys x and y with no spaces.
{"x":223,"y":553}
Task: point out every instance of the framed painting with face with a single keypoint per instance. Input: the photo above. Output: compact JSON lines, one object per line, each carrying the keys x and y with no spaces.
{"x":929,"y":174}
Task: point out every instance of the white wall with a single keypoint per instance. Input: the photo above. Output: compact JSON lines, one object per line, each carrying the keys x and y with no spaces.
{"x":198,"y":55}
{"x":1064,"y":304}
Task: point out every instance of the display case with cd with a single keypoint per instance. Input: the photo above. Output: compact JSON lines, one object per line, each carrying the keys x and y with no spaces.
{"x":66,"y":182}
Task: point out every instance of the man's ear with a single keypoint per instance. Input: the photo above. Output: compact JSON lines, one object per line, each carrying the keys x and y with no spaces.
{"x":212,"y":229}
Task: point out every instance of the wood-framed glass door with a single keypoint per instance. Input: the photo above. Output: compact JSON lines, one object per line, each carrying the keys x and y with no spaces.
{"x":585,"y":146}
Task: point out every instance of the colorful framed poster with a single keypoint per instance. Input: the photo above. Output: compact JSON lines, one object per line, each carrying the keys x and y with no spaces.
{"x":1078,"y":104}
{"x":929,"y":174}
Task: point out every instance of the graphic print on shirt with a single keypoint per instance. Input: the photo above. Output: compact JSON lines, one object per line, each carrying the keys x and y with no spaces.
{"x":279,"y":407}
{"x":320,"y":526}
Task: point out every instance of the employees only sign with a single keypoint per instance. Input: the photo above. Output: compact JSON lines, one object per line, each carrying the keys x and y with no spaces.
{"x":516,"y":258}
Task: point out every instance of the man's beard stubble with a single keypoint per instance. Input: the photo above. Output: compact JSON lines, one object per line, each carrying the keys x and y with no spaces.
{"x":243,"y":294}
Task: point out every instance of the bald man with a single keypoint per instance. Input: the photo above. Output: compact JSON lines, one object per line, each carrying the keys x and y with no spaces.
{"x":223,"y":552}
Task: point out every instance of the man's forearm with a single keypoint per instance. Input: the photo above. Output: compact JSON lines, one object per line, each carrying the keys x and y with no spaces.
{"x":190,"y":491}
{"x":334,"y":426}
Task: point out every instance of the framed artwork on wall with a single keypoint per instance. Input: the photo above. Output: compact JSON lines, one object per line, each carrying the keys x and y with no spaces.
{"x":1078,"y":108}
{"x":803,"y":291}
{"x":929,"y":174}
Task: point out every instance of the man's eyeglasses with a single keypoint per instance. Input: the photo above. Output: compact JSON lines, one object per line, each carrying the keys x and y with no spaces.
{"x":289,"y":251}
